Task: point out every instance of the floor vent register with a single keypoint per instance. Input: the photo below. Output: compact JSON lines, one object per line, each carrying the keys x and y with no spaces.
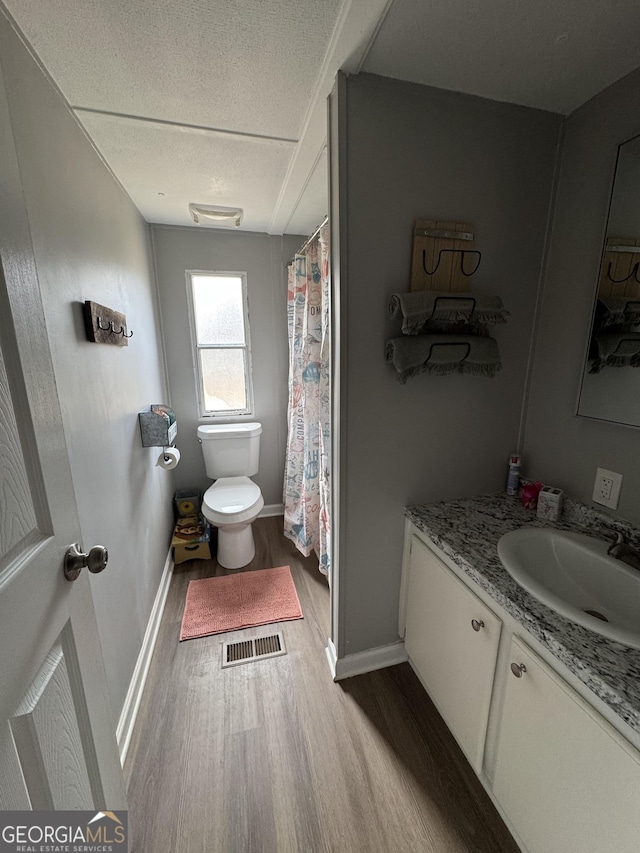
{"x":259,"y":648}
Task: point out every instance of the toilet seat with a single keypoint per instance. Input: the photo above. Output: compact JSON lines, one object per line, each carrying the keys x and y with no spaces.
{"x":232,"y":500}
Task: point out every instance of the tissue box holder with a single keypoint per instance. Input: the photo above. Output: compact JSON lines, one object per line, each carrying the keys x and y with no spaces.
{"x":549,"y":503}
{"x":158,"y":426}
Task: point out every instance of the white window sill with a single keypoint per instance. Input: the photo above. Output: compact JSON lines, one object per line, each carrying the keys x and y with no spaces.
{"x":225,"y":419}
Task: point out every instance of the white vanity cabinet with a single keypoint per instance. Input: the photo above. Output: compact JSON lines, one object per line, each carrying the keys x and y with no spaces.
{"x":552,"y":757}
{"x":452,"y":640}
{"x":563,"y":776}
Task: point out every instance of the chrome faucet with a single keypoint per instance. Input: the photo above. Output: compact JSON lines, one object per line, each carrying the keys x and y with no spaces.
{"x":621,"y":550}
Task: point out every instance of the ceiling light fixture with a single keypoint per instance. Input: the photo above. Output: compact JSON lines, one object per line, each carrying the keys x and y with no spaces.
{"x":217,"y":214}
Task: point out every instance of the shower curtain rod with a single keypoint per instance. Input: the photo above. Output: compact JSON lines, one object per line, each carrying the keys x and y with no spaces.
{"x":311,"y":238}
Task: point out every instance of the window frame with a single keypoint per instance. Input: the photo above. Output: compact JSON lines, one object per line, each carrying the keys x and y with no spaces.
{"x":196,"y":348}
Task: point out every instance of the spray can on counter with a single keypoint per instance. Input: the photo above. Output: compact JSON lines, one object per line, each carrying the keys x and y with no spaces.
{"x":513,"y":477}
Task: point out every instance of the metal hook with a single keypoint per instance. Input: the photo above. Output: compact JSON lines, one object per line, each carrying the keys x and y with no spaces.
{"x":470,"y":252}
{"x":463,"y":252}
{"x":633,"y":273}
{"x":635,"y":341}
{"x":103,"y":328}
{"x":450,"y":344}
{"x":458,"y":299}
{"x":120,"y":331}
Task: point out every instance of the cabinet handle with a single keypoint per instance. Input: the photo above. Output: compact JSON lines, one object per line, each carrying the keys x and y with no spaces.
{"x":476,"y":624}
{"x":517,"y":669}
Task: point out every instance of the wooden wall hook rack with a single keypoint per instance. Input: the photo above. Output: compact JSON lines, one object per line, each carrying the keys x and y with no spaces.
{"x":105,"y":326}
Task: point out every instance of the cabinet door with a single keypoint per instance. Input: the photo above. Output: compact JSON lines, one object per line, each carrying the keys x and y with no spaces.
{"x":567,"y":781}
{"x":452,"y":641}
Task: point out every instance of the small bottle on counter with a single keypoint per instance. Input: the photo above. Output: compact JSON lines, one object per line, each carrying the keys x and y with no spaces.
{"x":513,"y":477}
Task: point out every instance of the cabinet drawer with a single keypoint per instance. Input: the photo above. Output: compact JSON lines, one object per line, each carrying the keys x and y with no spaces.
{"x":452,"y":641}
{"x":567,"y":780}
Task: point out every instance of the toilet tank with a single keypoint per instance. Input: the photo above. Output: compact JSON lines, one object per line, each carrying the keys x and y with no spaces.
{"x":230,"y":450}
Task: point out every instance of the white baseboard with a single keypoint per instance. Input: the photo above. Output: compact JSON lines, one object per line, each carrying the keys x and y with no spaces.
{"x":367,"y":661}
{"x":332,"y":657}
{"x":139,"y":677}
{"x":271,"y":509}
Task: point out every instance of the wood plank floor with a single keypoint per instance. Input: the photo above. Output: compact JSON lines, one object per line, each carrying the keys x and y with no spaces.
{"x":273,"y":757}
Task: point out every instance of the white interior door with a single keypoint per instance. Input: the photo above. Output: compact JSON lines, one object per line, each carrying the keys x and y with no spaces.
{"x":57,"y":735}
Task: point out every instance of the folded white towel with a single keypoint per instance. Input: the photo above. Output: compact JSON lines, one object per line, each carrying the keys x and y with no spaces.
{"x":442,"y":354}
{"x":620,"y":310}
{"x":615,"y":349}
{"x":423,"y":306}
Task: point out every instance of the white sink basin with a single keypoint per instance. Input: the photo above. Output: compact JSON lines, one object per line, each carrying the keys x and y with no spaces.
{"x":572,"y":574}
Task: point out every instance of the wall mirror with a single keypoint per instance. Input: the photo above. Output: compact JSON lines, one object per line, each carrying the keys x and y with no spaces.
{"x":610,"y":388}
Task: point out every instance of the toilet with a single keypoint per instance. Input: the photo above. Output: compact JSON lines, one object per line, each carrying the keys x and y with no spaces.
{"x":231,"y":456}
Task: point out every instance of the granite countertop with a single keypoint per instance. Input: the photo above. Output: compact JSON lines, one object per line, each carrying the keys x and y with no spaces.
{"x":468,"y":530}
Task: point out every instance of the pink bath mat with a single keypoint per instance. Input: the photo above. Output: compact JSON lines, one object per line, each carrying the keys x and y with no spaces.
{"x":215,"y":605}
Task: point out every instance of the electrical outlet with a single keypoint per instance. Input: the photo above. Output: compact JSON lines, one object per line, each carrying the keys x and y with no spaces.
{"x":606,"y":490}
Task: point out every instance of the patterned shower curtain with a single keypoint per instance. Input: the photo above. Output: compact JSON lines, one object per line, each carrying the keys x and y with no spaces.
{"x":307,"y":508}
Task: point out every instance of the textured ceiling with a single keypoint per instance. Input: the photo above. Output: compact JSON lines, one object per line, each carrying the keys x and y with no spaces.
{"x":233,"y":64}
{"x":190,"y":165}
{"x":547,"y":54}
{"x":201,"y":100}
{"x":224,"y":101}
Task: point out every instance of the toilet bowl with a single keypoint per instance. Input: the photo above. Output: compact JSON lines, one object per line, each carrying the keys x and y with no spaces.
{"x":231,"y":453}
{"x":232,"y":504}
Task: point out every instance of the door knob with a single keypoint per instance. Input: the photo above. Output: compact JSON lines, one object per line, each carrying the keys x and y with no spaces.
{"x":74,"y":561}
{"x":517,"y":669}
{"x":477,"y":624}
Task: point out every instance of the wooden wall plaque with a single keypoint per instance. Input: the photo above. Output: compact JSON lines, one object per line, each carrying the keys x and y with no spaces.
{"x":620,"y":268}
{"x":437,"y":261}
{"x":105,"y":326}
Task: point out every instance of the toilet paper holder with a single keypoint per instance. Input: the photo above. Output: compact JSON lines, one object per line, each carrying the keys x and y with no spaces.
{"x":158,"y":426}
{"x":169,"y":458}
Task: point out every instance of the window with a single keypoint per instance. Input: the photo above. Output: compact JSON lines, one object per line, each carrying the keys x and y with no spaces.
{"x":220,"y":335}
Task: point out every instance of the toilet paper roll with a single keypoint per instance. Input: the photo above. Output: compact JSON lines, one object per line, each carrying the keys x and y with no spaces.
{"x":169,"y":458}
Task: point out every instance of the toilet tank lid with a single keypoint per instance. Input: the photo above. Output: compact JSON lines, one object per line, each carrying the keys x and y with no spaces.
{"x":207,"y":432}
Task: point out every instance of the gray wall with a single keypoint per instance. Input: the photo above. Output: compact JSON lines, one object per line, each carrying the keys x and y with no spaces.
{"x":264,"y":260}
{"x":415,"y":152}
{"x":91,"y":243}
{"x":560,"y":448}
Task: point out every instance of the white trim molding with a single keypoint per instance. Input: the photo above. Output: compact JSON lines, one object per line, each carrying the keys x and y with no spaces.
{"x":271,"y":509}
{"x":332,"y":657}
{"x":139,"y":677}
{"x":353,"y":36}
{"x":367,"y":661}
